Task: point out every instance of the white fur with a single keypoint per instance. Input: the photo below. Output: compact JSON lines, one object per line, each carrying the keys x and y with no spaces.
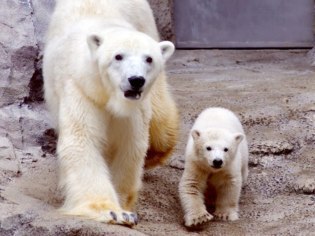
{"x":217,"y":135}
{"x":103,"y":135}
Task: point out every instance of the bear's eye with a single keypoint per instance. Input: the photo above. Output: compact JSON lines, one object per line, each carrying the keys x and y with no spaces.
{"x":149,"y":60}
{"x":119,"y":57}
{"x":226,"y":149}
{"x":209,"y":148}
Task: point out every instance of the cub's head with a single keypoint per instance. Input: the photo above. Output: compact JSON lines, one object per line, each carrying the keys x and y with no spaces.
{"x":129,"y":61}
{"x":216,"y":147}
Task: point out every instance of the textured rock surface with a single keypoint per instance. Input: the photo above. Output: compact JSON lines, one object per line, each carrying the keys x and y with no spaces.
{"x":18,"y":48}
{"x":272,"y":91}
{"x":305,"y":183}
{"x":163,"y":13}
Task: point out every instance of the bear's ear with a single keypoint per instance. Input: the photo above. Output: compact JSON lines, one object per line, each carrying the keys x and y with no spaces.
{"x":167,"y":49}
{"x":94,"y":41}
{"x":195,"y":134}
{"x":238,"y":137}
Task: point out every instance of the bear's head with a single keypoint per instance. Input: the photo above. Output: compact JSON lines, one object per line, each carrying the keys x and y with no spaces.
{"x":128,"y":61}
{"x":216,"y":147}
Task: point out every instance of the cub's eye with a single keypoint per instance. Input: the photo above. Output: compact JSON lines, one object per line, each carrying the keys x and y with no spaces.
{"x":149,"y":60}
{"x":209,"y":148}
{"x":119,"y":57}
{"x":225,"y":149}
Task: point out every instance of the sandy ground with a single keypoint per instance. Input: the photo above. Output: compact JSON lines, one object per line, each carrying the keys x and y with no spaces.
{"x":272,"y":91}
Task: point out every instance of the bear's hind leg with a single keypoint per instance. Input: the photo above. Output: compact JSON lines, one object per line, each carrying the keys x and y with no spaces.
{"x":164,"y":125}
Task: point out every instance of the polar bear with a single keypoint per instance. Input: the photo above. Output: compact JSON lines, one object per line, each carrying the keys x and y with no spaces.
{"x":106,"y":89}
{"x":216,"y":158}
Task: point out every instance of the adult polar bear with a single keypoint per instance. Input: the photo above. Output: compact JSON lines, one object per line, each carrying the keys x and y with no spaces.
{"x":105,"y":86}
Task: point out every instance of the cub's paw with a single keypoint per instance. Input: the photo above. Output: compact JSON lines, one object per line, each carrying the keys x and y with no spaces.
{"x":227,"y":215}
{"x":118,"y":217}
{"x":195,"y":220}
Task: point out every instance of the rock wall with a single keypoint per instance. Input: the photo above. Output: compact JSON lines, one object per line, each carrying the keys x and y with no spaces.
{"x":22,"y":26}
{"x":163,"y":13}
{"x":18,"y":49}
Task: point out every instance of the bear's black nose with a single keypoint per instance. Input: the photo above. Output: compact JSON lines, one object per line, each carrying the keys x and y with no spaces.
{"x":217,"y":163}
{"x":136,"y":82}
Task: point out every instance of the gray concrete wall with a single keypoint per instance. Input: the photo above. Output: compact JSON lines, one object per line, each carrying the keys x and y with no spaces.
{"x":244,"y":23}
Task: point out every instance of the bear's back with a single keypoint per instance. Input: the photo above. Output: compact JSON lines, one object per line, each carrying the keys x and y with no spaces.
{"x":137,"y":13}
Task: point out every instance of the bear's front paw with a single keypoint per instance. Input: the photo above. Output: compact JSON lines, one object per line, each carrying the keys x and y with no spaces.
{"x":119,"y":217}
{"x":194,"y":220}
{"x":230,"y":215}
{"x":104,"y":211}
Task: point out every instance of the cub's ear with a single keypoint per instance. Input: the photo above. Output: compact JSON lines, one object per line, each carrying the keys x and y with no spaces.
{"x":238,"y":137}
{"x":167,"y":49}
{"x":195,"y":134}
{"x":94,"y":41}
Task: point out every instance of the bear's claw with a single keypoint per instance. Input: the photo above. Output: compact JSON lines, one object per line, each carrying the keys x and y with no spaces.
{"x":113,"y":214}
{"x":121,"y":218}
{"x":125,"y":216}
{"x":135,"y":218}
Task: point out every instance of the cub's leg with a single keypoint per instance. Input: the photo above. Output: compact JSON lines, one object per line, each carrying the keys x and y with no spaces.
{"x":226,"y":207}
{"x":127,"y":164}
{"x":191,"y":192}
{"x":164,"y":125}
{"x":84,"y":175}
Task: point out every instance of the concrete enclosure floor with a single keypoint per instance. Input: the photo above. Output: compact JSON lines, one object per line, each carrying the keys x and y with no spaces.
{"x":273,"y":93}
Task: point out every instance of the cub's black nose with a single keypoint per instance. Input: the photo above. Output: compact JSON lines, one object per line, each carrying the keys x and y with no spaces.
{"x":217,"y":163}
{"x":136,"y":82}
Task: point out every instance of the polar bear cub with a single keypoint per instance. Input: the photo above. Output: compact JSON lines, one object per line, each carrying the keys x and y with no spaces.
{"x":216,"y":156}
{"x":105,"y":85}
